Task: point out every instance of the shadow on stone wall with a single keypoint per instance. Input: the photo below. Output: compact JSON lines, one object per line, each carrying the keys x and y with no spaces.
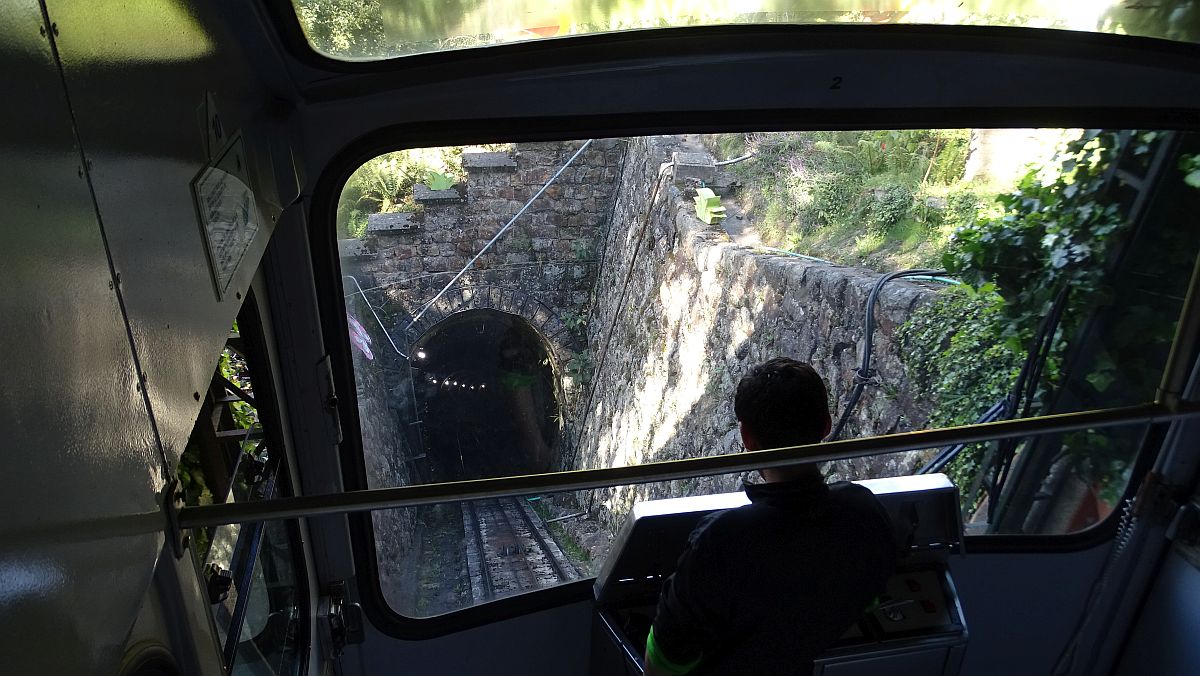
{"x":698,"y":313}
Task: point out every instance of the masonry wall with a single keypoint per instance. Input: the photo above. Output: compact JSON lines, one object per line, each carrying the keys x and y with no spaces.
{"x":549,"y":254}
{"x":696,"y":314}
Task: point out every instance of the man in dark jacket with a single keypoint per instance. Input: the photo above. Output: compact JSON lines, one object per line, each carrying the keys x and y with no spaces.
{"x":765,"y":588}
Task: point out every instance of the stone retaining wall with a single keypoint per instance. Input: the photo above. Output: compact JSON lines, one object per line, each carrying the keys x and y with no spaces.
{"x":549,"y":254}
{"x":697,"y":313}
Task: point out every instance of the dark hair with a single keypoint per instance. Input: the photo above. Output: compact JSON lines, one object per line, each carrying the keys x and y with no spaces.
{"x":783,"y":402}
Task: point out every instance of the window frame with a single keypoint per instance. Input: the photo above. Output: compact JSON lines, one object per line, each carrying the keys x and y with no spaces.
{"x":332,"y":306}
{"x":281,"y":16}
{"x":275,"y":483}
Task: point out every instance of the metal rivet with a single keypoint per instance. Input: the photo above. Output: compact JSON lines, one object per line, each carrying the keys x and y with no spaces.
{"x":239,"y":295}
{"x":196,"y":396}
{"x":42,"y":30}
{"x":54,"y":27}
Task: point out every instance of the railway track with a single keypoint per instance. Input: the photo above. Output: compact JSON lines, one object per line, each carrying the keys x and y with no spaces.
{"x":509,"y":551}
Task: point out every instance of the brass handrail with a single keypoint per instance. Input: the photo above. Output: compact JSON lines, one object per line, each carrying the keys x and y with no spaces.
{"x":557,"y":482}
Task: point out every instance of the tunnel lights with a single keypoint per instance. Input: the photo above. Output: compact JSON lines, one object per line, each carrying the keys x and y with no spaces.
{"x":420,"y":354}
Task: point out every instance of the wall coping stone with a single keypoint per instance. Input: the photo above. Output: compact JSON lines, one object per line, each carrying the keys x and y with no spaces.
{"x":498,"y":161}
{"x":382,"y":224}
{"x":697,"y":166}
{"x":422,"y":194}
{"x":354,"y":248}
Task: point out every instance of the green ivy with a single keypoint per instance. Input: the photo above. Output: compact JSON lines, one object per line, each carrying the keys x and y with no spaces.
{"x":1051,"y":235}
{"x":833,"y":196}
{"x":1190,"y":165}
{"x":576,"y":322}
{"x":885,"y":207}
{"x":1055,"y":231}
{"x":580,"y":367}
{"x":954,"y":355}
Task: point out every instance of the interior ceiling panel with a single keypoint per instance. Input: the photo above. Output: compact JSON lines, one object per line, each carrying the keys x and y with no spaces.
{"x":159,"y":91}
{"x":740,"y":77}
{"x":82,"y":467}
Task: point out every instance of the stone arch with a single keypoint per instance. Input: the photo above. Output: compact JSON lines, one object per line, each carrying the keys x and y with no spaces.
{"x":489,"y":395}
{"x":544,"y":319}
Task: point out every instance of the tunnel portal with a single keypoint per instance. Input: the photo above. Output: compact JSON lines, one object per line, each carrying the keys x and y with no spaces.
{"x":488,"y":396}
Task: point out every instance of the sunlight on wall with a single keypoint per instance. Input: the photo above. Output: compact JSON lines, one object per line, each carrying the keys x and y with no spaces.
{"x":142,"y":31}
{"x":679,"y":371}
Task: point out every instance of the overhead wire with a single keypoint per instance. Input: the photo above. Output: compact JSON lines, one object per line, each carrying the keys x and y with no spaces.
{"x":373,"y":314}
{"x":637,"y":247}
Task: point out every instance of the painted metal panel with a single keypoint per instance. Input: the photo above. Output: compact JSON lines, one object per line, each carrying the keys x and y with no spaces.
{"x":553,"y":641}
{"x":1022,"y":607}
{"x":160,"y":91}
{"x":1164,"y":640}
{"x":80,"y":530}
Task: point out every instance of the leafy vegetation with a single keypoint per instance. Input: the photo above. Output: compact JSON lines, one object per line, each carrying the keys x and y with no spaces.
{"x":343,"y":27}
{"x":575,"y":321}
{"x":580,"y":367}
{"x":385,"y":184}
{"x":954,"y":352}
{"x":354,"y":29}
{"x":1052,"y":236}
{"x":880,"y":198}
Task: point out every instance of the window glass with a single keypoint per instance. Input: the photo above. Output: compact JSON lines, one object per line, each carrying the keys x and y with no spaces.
{"x":535,"y":307}
{"x":233,"y":455}
{"x":269,"y":643}
{"x":381,"y":29}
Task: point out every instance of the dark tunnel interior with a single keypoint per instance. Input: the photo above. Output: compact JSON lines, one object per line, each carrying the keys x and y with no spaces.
{"x":486,"y":389}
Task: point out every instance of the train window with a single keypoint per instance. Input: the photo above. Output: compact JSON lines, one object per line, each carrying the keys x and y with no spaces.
{"x":535,"y":307}
{"x":268,"y":642}
{"x":381,"y":29}
{"x":234,"y":455}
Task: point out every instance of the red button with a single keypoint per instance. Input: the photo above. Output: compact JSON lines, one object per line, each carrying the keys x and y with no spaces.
{"x":913,"y":585}
{"x":928,"y":606}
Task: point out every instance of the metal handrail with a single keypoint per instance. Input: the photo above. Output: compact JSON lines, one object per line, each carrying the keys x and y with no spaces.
{"x":475,"y":489}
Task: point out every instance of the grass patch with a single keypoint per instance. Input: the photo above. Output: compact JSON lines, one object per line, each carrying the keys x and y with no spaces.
{"x":887,"y":200}
{"x":868,"y":243}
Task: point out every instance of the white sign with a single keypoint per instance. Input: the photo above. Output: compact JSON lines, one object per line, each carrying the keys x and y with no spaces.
{"x":230,"y":218}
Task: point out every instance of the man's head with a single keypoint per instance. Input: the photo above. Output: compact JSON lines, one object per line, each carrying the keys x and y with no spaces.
{"x":781,"y":403}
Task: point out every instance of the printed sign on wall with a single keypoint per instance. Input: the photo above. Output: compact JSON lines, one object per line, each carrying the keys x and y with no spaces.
{"x":228,"y":214}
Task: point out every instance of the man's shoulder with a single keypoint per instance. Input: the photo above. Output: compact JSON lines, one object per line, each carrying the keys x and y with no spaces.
{"x":853,"y":494}
{"x":723,"y":525}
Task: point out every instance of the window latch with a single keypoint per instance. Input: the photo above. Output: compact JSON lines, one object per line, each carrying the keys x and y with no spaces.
{"x":1185,"y":526}
{"x":341,"y":622}
{"x":217,"y":582}
{"x":329,"y":399}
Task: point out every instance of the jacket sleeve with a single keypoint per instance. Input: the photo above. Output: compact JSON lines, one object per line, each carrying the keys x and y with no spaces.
{"x":693,"y":609}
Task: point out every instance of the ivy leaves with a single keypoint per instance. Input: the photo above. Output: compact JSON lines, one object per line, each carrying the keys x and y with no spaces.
{"x":1190,"y":165}
{"x":1052,"y":233}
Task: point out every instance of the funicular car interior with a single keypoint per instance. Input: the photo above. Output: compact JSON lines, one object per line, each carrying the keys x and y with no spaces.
{"x":171,"y":180}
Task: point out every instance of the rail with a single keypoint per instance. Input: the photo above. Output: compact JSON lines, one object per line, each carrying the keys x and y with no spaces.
{"x":512,"y":554}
